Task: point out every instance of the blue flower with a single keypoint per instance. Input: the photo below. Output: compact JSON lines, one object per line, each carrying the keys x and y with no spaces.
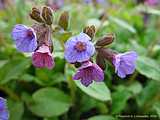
{"x":125,"y":63}
{"x":79,"y":48}
{"x":25,"y":38}
{"x":4,"y":114}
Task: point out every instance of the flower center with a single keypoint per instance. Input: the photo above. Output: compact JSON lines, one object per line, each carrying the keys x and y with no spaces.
{"x":30,"y":34}
{"x":80,"y":46}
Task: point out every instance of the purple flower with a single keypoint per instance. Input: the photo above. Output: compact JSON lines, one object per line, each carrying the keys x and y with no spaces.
{"x":55,"y":4}
{"x":79,"y":48}
{"x":43,"y":58}
{"x":97,"y":1}
{"x":152,"y":2}
{"x":25,"y":38}
{"x":4,"y":114}
{"x":89,"y":72}
{"x":88,"y":1}
{"x":125,"y":63}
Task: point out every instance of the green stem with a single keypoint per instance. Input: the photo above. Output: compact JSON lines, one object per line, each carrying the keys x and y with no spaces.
{"x":10,"y":93}
{"x":70,"y":82}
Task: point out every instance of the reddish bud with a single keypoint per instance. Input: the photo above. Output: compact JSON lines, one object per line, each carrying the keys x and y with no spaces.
{"x":90,"y":31}
{"x":106,"y":40}
{"x":47,"y":15}
{"x":36,"y":15}
{"x":64,"y":20}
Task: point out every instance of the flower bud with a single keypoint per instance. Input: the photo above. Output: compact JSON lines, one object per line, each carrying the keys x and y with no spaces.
{"x":36,"y":15}
{"x":100,"y":61}
{"x":90,"y":31}
{"x":106,"y":40}
{"x":64,"y":20}
{"x":47,"y":15}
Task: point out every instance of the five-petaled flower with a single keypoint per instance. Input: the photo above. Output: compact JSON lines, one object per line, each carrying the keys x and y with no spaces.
{"x":89,"y":72}
{"x":4,"y":114}
{"x":43,"y":58}
{"x":25,"y":38}
{"x":124,"y":63}
{"x":79,"y":48}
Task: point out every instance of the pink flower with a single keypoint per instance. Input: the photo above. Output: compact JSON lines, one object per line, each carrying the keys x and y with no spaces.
{"x":152,"y":2}
{"x":88,"y":73}
{"x":43,"y":58}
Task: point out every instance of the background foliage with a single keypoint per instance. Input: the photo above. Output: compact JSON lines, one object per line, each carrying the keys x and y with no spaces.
{"x":41,"y":94}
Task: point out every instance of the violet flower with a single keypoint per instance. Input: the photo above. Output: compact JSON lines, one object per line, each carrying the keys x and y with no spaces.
{"x":25,"y":38}
{"x":55,"y":4}
{"x":43,"y":58}
{"x":152,"y":2}
{"x":4,"y":114}
{"x":124,"y":63}
{"x":97,"y":1}
{"x":79,"y":48}
{"x":89,"y":72}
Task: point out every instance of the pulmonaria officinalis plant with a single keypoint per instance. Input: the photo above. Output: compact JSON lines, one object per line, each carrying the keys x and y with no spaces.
{"x":79,"y":49}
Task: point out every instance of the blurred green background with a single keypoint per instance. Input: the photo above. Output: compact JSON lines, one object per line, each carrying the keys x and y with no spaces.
{"x":41,"y":94}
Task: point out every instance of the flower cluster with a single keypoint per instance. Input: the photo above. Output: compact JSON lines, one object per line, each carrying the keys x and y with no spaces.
{"x":4,"y":114}
{"x":36,"y":39}
{"x":79,"y":49}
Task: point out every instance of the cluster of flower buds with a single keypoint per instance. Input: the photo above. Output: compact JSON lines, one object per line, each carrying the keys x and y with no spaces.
{"x":79,"y":49}
{"x":36,"y":39}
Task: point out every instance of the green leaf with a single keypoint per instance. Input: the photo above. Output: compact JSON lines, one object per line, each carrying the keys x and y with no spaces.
{"x":120,"y":98}
{"x":122,"y":24}
{"x":135,"y":88}
{"x":49,"y":102}
{"x":47,"y":77}
{"x":148,"y":67}
{"x":28,"y":78}
{"x":96,"y":90}
{"x":148,"y":93}
{"x":53,"y":118}
{"x":156,"y":107}
{"x":13,"y":69}
{"x":102,"y":117}
{"x":16,"y":110}
{"x":148,"y":10}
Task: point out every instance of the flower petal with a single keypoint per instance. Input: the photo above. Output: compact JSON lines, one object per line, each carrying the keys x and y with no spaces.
{"x":78,"y":75}
{"x":98,"y":74}
{"x":86,"y":81}
{"x":24,"y":43}
{"x":49,"y":62}
{"x":121,"y":72}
